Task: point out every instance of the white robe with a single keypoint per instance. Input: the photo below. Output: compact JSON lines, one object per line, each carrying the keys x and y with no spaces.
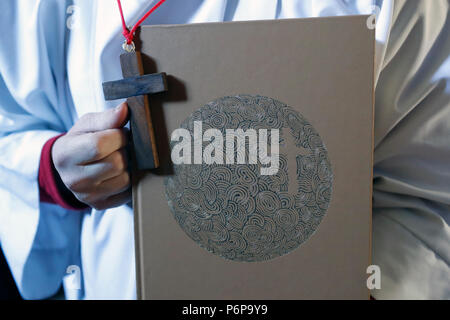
{"x":51,"y":75}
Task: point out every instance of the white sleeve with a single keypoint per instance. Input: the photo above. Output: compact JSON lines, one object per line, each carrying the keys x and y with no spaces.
{"x":411,"y":233}
{"x":39,"y":240}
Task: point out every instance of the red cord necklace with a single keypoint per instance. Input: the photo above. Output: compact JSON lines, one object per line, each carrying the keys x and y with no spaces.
{"x":129,"y":34}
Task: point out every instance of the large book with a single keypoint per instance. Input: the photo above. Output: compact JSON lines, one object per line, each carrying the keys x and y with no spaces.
{"x":265,"y":141}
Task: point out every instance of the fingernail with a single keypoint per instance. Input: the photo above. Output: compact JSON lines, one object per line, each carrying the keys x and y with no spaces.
{"x":118,"y":108}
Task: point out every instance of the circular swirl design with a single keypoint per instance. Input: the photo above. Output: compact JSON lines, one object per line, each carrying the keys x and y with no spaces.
{"x":234,"y":211}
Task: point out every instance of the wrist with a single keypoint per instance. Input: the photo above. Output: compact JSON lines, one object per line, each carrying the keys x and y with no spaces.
{"x":51,"y":187}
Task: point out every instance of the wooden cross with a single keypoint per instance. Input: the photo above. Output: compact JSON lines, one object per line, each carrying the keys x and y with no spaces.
{"x":135,"y":87}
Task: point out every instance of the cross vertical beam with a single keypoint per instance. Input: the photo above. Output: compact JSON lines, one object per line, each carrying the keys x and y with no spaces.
{"x":135,"y":86}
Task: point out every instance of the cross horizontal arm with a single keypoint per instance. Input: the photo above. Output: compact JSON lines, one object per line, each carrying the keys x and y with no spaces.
{"x":135,"y":86}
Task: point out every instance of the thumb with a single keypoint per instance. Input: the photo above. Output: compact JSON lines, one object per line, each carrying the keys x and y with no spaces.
{"x":99,"y":121}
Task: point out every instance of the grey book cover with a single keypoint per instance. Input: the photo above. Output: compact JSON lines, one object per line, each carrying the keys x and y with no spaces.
{"x":283,"y":213}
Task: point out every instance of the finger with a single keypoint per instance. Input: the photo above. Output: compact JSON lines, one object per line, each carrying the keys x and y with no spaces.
{"x":114,"y":185}
{"x":111,"y":166}
{"x":95,"y":146}
{"x":98,"y":121}
{"x":115,"y":200}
